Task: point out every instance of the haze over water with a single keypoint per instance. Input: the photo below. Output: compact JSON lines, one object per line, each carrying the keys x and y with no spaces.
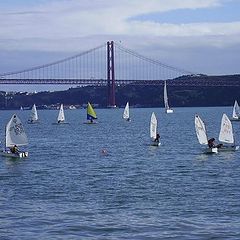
{"x":68,"y":189}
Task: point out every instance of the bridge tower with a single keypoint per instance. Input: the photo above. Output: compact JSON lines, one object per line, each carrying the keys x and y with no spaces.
{"x":111,"y":75}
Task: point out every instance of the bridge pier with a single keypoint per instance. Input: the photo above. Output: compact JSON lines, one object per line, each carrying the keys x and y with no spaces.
{"x":111,"y":75}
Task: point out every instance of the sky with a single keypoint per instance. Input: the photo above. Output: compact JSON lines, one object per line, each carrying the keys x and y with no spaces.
{"x":201,"y":36}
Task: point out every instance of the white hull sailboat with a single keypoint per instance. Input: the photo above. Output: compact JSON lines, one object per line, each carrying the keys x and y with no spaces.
{"x":153,"y":131}
{"x":236,"y":112}
{"x":202,"y":135}
{"x":15,"y":137}
{"x":61,"y":116}
{"x":33,"y":116}
{"x":169,"y":111}
{"x":8,"y":153}
{"x":165,"y":96}
{"x":126,"y":114}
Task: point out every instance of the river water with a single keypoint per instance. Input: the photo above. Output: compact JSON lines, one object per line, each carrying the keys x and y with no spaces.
{"x":69,"y":188}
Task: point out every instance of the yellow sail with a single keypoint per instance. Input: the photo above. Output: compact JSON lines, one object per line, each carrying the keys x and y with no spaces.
{"x":91,"y":114}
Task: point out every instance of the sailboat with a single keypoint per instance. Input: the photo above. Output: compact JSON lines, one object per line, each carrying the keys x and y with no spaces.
{"x":15,"y":136}
{"x":91,"y":114}
{"x":155,"y":141}
{"x":61,"y":116}
{"x":226,"y":135}
{"x":126,"y":113}
{"x":236,"y":112}
{"x":34,"y":115}
{"x":165,"y":96}
{"x":202,"y":135}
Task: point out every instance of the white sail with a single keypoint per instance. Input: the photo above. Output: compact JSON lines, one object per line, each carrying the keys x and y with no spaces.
{"x":126,"y":111}
{"x":236,"y":110}
{"x":226,"y":131}
{"x":34,"y":114}
{"x":61,"y":116}
{"x":15,"y":134}
{"x":165,"y":96}
{"x":153,"y":126}
{"x":200,"y":130}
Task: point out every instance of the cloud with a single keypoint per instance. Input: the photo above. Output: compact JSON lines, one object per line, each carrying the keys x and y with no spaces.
{"x":74,"y":19}
{"x":73,"y":26}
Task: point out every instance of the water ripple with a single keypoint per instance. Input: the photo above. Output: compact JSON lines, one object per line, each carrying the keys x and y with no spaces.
{"x":69,"y":189}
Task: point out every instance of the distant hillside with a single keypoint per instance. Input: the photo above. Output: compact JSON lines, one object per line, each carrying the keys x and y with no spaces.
{"x":142,"y":96}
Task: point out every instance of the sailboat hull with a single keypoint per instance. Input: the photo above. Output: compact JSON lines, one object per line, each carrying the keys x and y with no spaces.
{"x":211,"y":150}
{"x":14,"y":155}
{"x":156,"y":144}
{"x":90,"y":123}
{"x":169,"y":111}
{"x":228,"y":148}
{"x":32,"y":122}
{"x":60,"y":123}
{"x":235,"y":119}
{"x":222,"y":149}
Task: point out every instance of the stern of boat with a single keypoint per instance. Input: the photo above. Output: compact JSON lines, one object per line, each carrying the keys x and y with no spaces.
{"x":212,"y":150}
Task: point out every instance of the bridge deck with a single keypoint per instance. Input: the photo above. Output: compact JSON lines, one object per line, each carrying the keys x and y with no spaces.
{"x":194,"y":81}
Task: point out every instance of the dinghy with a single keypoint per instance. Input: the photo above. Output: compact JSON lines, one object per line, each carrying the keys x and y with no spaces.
{"x":165,"y":96}
{"x":236,"y":112}
{"x":155,"y":141}
{"x":202,"y":135}
{"x":226,"y":136}
{"x":91,"y":114}
{"x":61,"y":116}
{"x":34,"y":115}
{"x":15,"y":137}
{"x":126,"y":115}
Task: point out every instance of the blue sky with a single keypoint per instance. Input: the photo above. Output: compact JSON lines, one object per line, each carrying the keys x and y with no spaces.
{"x":19,"y":3}
{"x":228,"y":12}
{"x":190,"y":34}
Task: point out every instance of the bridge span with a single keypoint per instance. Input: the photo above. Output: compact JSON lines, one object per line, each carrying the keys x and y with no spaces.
{"x":113,"y":65}
{"x":191,"y":82}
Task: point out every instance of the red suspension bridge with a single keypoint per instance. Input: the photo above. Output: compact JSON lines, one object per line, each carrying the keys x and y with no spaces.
{"x":110,"y":65}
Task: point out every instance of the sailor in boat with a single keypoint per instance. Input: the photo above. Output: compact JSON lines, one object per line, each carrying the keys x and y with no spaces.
{"x":157,"y":139}
{"x":211,"y":143}
{"x":14,"y":149}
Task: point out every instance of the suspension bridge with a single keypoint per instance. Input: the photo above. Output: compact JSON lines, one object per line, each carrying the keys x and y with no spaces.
{"x":110,"y":65}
